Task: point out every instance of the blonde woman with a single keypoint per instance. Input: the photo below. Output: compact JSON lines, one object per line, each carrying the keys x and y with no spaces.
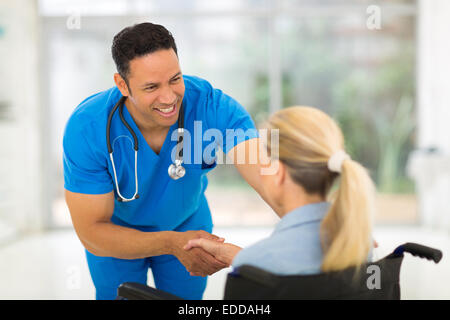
{"x":314,"y":235}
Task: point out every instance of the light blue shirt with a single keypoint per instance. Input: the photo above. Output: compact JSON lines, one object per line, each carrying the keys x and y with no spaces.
{"x":294,"y":247}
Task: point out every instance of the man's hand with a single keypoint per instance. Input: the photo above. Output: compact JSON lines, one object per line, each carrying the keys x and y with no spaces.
{"x":197,"y":261}
{"x":224,"y":252}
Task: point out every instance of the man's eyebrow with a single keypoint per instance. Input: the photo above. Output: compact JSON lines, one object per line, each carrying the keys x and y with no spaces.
{"x":176,"y":75}
{"x":148,"y":84}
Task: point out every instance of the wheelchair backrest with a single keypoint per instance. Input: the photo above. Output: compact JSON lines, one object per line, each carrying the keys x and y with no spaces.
{"x":377,"y":280}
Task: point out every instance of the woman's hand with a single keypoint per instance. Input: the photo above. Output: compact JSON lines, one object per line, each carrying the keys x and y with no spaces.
{"x":197,"y":261}
{"x":224,"y":252}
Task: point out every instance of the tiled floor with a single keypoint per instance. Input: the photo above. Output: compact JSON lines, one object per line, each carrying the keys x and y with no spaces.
{"x":52,"y":265}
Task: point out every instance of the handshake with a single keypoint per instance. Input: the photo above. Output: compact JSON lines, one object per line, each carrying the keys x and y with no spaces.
{"x":203,"y":253}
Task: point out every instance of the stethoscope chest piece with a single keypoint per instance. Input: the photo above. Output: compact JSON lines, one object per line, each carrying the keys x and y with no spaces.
{"x":176,"y":171}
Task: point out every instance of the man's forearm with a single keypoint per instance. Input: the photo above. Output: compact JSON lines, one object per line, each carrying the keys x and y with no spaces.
{"x":251,"y":170}
{"x":109,"y":240}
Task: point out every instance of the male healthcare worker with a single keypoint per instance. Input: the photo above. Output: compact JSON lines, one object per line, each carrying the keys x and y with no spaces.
{"x":123,"y":239}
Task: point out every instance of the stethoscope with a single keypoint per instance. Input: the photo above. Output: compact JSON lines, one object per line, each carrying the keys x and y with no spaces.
{"x":176,"y":169}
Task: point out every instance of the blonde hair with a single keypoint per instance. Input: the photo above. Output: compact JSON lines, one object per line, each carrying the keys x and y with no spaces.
{"x":307,"y":139}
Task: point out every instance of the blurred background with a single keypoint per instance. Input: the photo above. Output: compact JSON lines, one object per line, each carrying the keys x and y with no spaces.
{"x":380,"y":68}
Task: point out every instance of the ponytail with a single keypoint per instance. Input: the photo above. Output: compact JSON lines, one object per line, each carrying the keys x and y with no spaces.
{"x":346,"y":229}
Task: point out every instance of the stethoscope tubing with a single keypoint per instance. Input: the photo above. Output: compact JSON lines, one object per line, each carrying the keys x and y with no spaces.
{"x":179,"y":156}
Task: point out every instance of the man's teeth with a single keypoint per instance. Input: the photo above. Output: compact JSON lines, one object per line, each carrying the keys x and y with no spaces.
{"x":167,"y":110}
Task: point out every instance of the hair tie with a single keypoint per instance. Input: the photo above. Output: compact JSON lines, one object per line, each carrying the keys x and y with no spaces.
{"x":336,"y":160}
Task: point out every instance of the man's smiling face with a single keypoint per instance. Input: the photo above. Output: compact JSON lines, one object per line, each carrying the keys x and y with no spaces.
{"x":156,"y":88}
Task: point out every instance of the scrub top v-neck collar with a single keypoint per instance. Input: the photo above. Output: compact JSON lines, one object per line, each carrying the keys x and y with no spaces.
{"x":143,"y":142}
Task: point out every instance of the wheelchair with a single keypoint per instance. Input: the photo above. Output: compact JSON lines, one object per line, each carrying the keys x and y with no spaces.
{"x":378,"y":280}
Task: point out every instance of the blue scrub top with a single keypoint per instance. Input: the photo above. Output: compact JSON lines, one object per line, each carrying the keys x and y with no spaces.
{"x":164,"y":204}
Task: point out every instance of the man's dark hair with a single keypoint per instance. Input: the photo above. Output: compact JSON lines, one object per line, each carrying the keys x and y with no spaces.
{"x":139,"y":40}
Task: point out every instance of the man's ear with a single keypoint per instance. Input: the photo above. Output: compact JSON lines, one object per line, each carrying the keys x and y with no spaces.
{"x":121,"y":85}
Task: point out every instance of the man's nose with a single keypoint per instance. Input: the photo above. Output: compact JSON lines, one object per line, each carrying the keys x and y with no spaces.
{"x":167,"y":96}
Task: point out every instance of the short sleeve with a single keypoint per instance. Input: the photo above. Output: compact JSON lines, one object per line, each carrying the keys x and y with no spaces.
{"x":228,"y":116}
{"x":84,"y":170}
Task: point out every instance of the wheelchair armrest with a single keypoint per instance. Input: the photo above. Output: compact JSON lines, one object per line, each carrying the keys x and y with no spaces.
{"x":419,"y":250}
{"x":139,"y":291}
{"x":257,"y":275}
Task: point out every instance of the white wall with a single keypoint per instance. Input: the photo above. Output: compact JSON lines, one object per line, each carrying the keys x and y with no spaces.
{"x":431,"y":170}
{"x":434,"y":74}
{"x":20,"y":143}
